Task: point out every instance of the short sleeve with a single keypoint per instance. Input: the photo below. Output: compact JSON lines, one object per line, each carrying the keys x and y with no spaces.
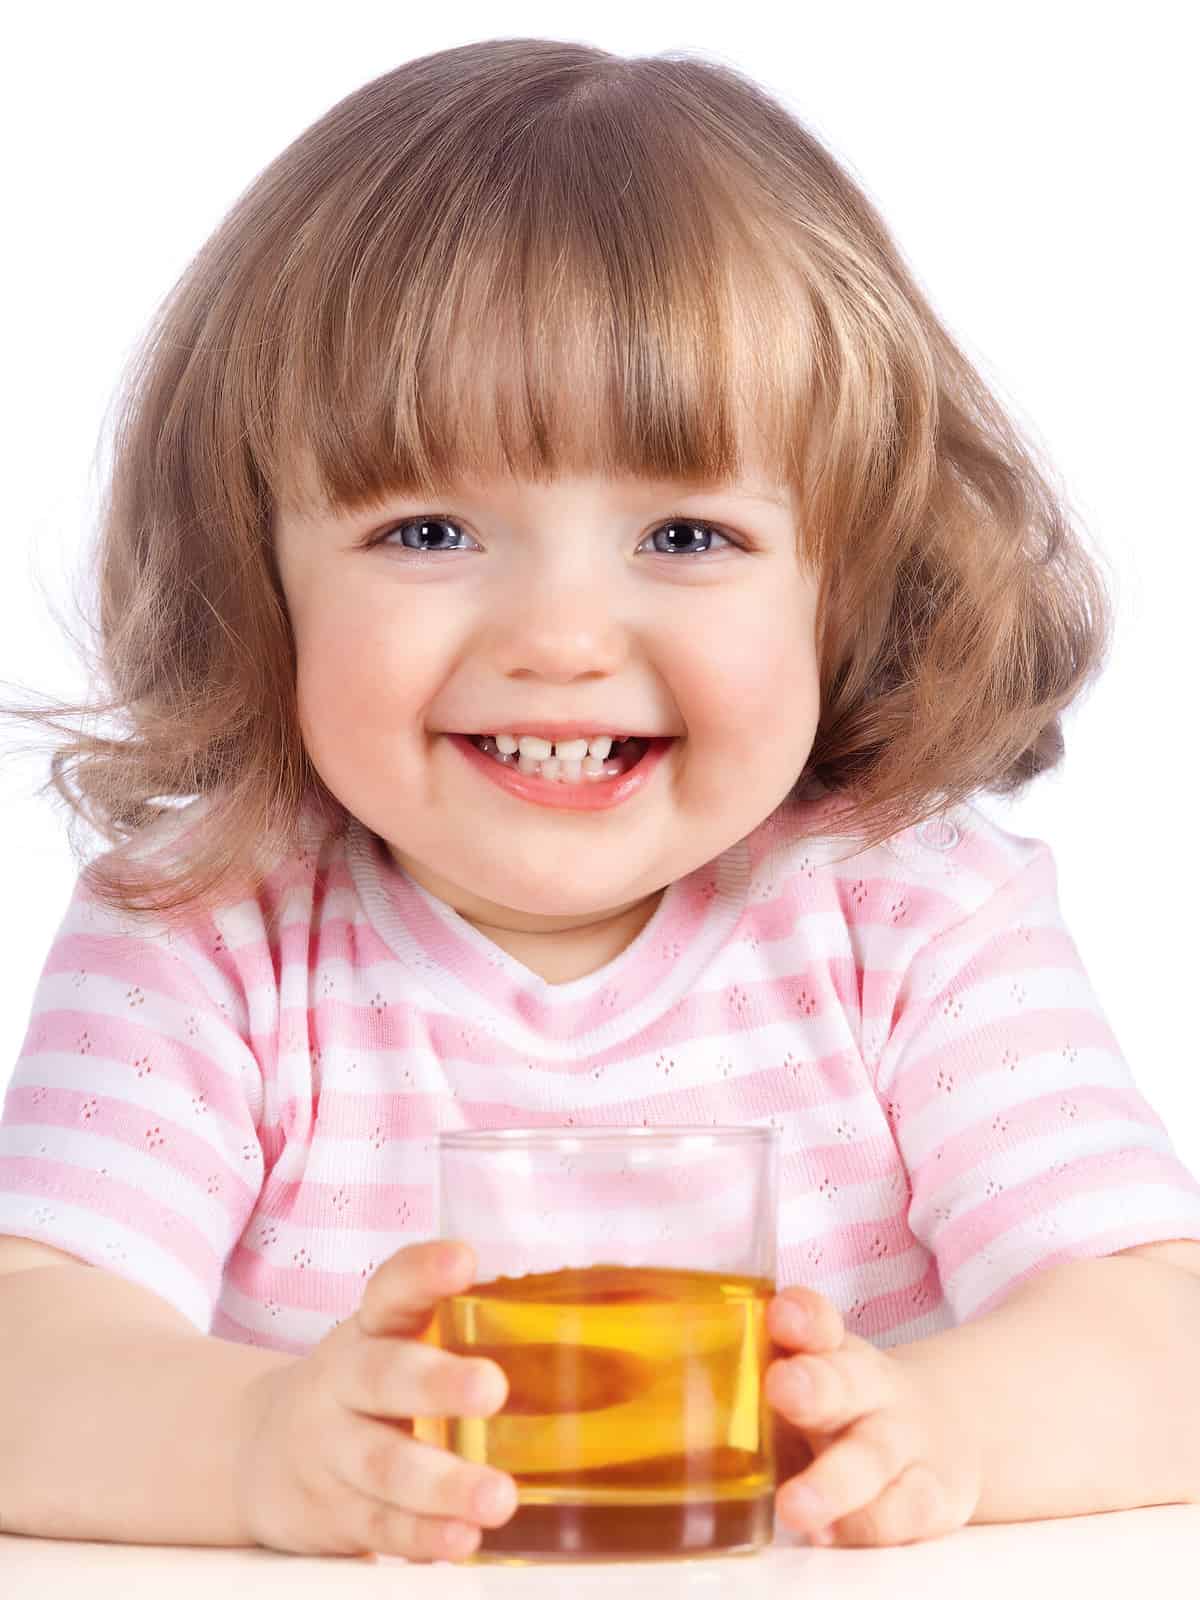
{"x":1026,"y":1139}
{"x":128,"y":1134}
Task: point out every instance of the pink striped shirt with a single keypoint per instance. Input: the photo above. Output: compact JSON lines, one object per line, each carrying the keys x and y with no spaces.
{"x":240,"y":1115}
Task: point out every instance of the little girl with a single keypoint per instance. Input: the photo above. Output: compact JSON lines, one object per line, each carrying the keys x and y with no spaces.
{"x":560,"y":590}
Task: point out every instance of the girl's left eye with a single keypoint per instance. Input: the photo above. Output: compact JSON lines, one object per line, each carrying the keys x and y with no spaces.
{"x":704,"y":529}
{"x":420,"y":524}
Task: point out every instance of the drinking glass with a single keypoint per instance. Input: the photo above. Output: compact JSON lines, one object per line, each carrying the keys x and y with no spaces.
{"x":622,"y":1281}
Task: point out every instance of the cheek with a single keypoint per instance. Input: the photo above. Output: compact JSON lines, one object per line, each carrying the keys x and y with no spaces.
{"x":356,"y":677}
{"x":759,"y":681}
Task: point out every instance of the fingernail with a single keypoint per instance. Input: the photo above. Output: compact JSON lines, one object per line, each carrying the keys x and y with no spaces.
{"x":793,"y":1319}
{"x":460,"y":1538}
{"x":807,"y":1506}
{"x":449,"y":1258}
{"x":482,"y":1388}
{"x":495,"y":1500}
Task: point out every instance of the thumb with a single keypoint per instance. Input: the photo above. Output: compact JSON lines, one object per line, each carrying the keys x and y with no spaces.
{"x":401,"y":1294}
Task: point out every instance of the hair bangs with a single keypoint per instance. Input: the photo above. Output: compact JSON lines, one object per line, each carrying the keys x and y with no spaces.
{"x":563,"y":314}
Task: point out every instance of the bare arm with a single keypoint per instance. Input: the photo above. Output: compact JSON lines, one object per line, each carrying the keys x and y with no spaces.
{"x":118,"y":1420}
{"x":1082,"y":1386}
{"x":1076,"y":1394}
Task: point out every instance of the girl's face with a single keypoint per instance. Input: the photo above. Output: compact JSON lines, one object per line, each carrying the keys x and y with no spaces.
{"x":507,"y":603}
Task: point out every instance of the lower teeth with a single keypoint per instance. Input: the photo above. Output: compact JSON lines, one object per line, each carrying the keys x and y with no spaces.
{"x":612,"y":768}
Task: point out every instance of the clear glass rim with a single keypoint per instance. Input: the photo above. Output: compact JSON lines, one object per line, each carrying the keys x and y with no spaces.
{"x":550,"y":1138}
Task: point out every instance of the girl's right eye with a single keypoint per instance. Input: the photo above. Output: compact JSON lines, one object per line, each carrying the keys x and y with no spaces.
{"x":421,"y":527}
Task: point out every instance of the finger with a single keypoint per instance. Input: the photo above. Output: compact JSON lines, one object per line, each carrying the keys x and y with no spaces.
{"x":806,"y":1319}
{"x":847,"y":1476}
{"x":827,"y":1392}
{"x":402,"y":1378}
{"x":374,"y":1527}
{"x":377,"y":1461}
{"x":400,"y":1295}
{"x":913,"y":1506}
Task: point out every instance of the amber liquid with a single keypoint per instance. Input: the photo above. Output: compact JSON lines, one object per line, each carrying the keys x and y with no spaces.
{"x":635,"y":1423}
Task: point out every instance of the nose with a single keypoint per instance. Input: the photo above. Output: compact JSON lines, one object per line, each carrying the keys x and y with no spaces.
{"x":559,"y":629}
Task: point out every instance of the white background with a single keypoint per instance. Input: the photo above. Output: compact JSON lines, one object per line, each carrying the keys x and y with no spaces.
{"x":1036,"y":164}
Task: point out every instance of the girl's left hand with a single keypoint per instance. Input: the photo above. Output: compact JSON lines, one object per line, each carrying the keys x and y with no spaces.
{"x":886,"y":1456}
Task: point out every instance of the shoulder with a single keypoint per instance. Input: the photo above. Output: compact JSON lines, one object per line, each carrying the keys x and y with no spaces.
{"x":288,"y":889}
{"x":926,"y":878}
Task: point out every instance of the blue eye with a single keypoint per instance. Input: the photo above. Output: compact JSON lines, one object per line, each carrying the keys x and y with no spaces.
{"x":421,"y":526}
{"x":702,"y":528}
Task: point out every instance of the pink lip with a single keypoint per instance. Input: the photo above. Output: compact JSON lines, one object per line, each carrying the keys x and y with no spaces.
{"x":600,"y":795}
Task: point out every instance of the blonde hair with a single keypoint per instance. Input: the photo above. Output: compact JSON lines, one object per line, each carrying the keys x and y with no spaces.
{"x":536,"y":256}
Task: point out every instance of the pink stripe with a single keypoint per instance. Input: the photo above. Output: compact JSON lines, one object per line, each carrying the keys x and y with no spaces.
{"x":882,"y":900}
{"x":964,"y":1236}
{"x":368,"y":1207}
{"x":158,"y":968}
{"x":139,"y":966}
{"x":144,"y":1050}
{"x":174,"y":1147}
{"x":1003,"y":1044}
{"x":113,"y":1200}
{"x":873,"y":1316}
{"x":296,"y":1286}
{"x":843,"y":1246}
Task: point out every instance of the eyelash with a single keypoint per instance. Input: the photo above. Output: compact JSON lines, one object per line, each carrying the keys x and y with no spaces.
{"x":690,"y":522}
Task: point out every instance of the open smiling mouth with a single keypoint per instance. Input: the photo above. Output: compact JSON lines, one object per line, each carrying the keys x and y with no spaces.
{"x":574,"y":785}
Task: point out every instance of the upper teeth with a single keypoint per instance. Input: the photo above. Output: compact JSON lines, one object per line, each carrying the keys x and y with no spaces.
{"x":542,"y":749}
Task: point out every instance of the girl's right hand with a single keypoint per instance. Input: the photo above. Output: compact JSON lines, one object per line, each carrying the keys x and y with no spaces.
{"x":327,"y":1464}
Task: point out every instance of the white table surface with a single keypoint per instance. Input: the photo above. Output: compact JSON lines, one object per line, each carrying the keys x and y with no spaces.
{"x":1153,"y":1553}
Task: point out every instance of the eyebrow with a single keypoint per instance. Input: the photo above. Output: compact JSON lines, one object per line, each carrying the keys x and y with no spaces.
{"x":723,"y":486}
{"x":715,"y":487}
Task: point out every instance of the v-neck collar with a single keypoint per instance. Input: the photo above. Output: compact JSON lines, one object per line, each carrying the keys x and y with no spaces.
{"x":476,"y":978}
